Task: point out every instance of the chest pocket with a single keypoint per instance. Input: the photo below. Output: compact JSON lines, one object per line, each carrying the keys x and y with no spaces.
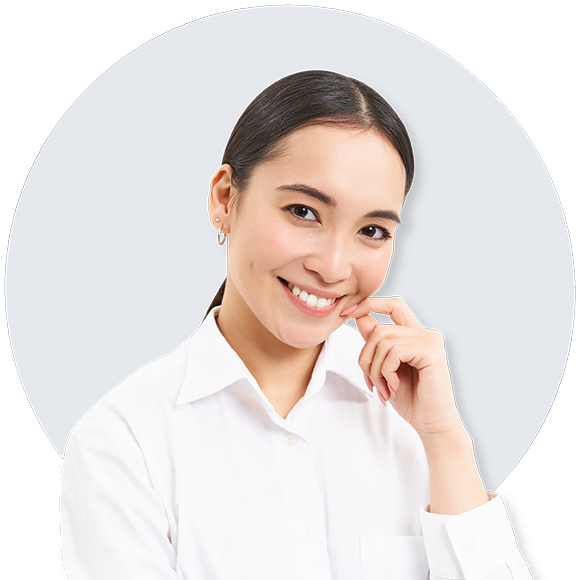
{"x":393,"y":558}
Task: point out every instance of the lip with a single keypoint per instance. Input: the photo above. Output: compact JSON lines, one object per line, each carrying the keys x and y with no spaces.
{"x":312,"y":310}
{"x":311,"y":290}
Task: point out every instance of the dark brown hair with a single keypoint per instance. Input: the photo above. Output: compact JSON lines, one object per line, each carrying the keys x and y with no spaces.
{"x":308,"y":98}
{"x":301,"y":99}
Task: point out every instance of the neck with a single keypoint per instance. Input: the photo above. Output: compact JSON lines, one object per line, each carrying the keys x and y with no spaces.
{"x":282,"y":371}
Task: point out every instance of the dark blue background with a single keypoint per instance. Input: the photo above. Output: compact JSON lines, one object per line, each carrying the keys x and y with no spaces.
{"x":112,"y":260}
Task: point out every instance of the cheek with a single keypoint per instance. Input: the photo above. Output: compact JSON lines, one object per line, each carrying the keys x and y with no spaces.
{"x":373,"y":270}
{"x":267,"y":246}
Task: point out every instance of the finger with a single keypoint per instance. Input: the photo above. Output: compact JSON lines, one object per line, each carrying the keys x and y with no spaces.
{"x":382,"y":391}
{"x":381,"y":351}
{"x":366,"y":356}
{"x":379,"y":355}
{"x":368,"y":382}
{"x":366,"y":324}
{"x":377,"y":346}
{"x":394,"y":306}
{"x":365,"y":361}
{"x":411,"y":354}
{"x":381,"y":398}
{"x":386,"y":363}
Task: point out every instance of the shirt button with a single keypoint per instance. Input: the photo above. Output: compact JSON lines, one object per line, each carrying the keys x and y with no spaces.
{"x":468,"y":546}
{"x":307,"y":532}
{"x":290,"y":440}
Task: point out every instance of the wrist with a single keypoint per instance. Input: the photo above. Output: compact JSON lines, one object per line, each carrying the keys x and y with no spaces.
{"x":447,"y":428}
{"x":452,"y":439}
{"x":455,"y":483}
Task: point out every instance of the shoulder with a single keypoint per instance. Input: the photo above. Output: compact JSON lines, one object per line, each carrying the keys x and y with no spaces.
{"x":141,"y":399}
{"x":160,"y":380}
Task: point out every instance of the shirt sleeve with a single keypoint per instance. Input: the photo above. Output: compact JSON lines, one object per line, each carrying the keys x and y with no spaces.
{"x":478,"y":544}
{"x":114,"y":524}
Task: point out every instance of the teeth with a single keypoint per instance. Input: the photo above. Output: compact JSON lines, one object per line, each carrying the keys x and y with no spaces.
{"x":321,"y":303}
{"x":310,"y":299}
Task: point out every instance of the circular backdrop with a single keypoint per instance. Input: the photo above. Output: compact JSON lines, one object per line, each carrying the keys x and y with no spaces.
{"x":112,"y":261}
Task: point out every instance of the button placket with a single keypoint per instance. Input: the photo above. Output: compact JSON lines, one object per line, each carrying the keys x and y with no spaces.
{"x":304,"y":510}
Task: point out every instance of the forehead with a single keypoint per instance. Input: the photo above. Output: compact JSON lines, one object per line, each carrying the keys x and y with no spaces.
{"x":339,"y":160}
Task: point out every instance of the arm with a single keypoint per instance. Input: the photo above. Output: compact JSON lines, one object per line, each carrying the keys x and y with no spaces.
{"x":113,"y":522}
{"x":407,"y":365}
{"x":455,"y":484}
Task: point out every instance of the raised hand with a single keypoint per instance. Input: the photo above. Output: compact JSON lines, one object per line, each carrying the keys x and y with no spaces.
{"x":407,"y":364}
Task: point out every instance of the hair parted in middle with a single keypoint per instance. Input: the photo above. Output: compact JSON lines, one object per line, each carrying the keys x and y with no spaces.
{"x":309,"y":98}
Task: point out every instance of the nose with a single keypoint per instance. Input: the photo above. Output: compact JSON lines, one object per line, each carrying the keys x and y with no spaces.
{"x":331,"y":259}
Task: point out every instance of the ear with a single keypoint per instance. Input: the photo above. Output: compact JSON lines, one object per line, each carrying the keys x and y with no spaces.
{"x":221,"y":194}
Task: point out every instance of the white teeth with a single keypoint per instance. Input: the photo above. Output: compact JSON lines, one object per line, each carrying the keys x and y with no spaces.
{"x":310,"y":299}
{"x":321,"y":303}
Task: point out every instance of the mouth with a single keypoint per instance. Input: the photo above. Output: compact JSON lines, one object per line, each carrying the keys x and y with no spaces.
{"x":310,"y":303}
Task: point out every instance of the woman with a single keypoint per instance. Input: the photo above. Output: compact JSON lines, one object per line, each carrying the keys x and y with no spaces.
{"x":258,"y":448}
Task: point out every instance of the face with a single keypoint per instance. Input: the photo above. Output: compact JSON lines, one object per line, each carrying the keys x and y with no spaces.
{"x":313,"y":232}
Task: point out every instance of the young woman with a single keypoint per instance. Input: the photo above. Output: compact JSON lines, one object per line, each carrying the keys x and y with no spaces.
{"x":276,"y":442}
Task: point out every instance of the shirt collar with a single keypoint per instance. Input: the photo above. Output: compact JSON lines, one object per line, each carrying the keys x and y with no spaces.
{"x":342,"y":352}
{"x":213,"y":365}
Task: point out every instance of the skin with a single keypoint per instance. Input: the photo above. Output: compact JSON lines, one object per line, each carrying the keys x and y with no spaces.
{"x":281,"y":230}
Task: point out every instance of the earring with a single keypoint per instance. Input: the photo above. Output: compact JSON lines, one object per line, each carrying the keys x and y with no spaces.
{"x":217,"y":220}
{"x":221,"y":237}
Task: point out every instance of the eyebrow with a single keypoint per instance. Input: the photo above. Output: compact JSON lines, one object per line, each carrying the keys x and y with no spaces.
{"x":329,"y":200}
{"x":385,"y":214}
{"x":312,"y":192}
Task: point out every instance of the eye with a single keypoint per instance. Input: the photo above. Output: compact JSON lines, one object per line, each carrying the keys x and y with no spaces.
{"x":376,"y":233}
{"x":302,"y":212}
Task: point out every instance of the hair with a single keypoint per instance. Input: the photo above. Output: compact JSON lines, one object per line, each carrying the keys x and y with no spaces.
{"x":302,"y":99}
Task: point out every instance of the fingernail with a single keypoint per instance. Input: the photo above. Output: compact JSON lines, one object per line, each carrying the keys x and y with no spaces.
{"x":349,"y":310}
{"x":393,"y":394}
{"x":383,"y":400}
{"x":369,"y":383}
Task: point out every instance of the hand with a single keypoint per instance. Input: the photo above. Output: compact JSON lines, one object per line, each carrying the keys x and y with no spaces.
{"x":407,"y":364}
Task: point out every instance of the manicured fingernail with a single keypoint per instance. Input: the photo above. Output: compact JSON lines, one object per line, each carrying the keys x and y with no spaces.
{"x":393,"y":394}
{"x":383,"y":400}
{"x":369,"y":383}
{"x":349,"y":310}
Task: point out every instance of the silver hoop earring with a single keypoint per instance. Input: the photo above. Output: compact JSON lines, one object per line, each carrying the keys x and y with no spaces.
{"x":221,"y":237}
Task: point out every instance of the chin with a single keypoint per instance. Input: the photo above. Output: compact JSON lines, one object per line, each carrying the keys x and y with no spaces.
{"x":304,"y":337}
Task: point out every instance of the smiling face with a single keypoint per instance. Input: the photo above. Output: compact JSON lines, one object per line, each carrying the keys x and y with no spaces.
{"x":312,"y":233}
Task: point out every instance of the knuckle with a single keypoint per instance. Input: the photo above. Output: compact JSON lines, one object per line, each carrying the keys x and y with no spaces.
{"x":363,"y":363}
{"x":384,"y":340}
{"x":394,"y":350}
{"x":398,"y":301}
{"x":387,"y":367}
{"x":380,"y":331}
{"x":436,"y":335}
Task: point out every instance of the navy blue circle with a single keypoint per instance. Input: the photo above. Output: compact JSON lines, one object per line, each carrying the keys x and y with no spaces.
{"x":112,"y":260}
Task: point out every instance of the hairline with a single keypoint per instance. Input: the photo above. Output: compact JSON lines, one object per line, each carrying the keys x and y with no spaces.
{"x":362,"y":124}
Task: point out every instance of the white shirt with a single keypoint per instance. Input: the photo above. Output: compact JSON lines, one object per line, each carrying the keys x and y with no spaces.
{"x":186,"y":472}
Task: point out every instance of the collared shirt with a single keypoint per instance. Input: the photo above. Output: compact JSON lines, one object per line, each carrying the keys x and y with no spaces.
{"x":186,"y":472}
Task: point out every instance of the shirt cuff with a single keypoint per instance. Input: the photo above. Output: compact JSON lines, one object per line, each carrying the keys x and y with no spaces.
{"x":472,"y":544}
